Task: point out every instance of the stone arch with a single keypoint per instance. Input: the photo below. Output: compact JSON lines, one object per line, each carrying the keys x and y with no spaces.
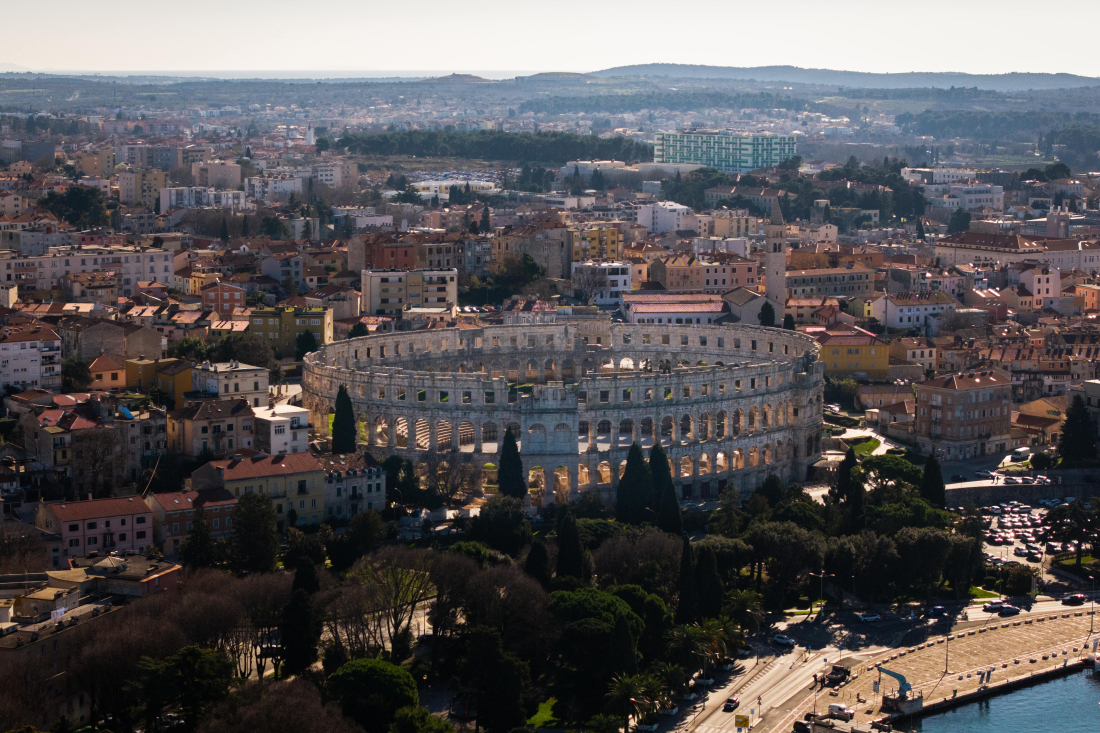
{"x":704,"y":464}
{"x":568,"y":371}
{"x":754,"y":420}
{"x":687,"y":467}
{"x":738,"y":422}
{"x":704,"y":427}
{"x":536,"y":480}
{"x":721,"y":462}
{"x":645,"y":428}
{"x":548,"y":367}
{"x":668,"y":426}
{"x":381,"y":432}
{"x":513,"y":370}
{"x":738,"y":459}
{"x":466,"y":436}
{"x":490,"y":434}
{"x":687,"y":429}
{"x":402,"y":433}
{"x":664,"y":366}
{"x":496,"y":370}
{"x":603,"y":472}
{"x":423,"y":434}
{"x":626,"y":430}
{"x":562,"y":488}
{"x":531,"y":371}
{"x":721,"y":430}
{"x":766,"y":421}
{"x":754,"y":457}
{"x":444,"y":440}
{"x":584,"y":476}
{"x":462,"y":368}
{"x":607,"y":365}
{"x":626,"y":364}
{"x":537,"y":435}
{"x":767,"y":454}
{"x":603,"y":428}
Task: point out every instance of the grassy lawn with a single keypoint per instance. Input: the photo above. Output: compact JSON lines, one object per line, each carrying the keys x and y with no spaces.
{"x":544,"y":717}
{"x":976,"y":592}
{"x":867,"y":447}
{"x":1084,"y":570}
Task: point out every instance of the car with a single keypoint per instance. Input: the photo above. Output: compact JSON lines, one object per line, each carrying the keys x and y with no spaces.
{"x":1027,"y":479}
{"x":985,"y":474}
{"x":1034,"y":557}
{"x":1007,"y":610}
{"x":833,"y":408}
{"x":744,"y":653}
{"x":1019,"y":551}
{"x":1010,"y":480}
{"x":783,"y":640}
{"x":958,"y":478}
{"x":731,"y":705}
{"x":1077,"y":599}
{"x":869,"y":617}
{"x":993,"y":606}
{"x":938,"y":611}
{"x":801,"y":726}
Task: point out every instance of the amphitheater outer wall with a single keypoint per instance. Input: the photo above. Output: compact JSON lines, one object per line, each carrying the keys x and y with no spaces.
{"x":730,"y":404}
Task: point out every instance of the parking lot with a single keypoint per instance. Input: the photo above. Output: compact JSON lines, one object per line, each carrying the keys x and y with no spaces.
{"x":1019,"y":534}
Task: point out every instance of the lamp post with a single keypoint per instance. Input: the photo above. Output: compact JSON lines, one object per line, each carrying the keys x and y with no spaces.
{"x":1092,"y":606}
{"x":947,"y":654}
{"x":821,"y":590}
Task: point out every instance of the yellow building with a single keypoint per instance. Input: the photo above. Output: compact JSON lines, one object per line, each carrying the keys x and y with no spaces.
{"x":596,"y":242}
{"x":848,"y":351}
{"x":200,"y":280}
{"x":141,"y":186}
{"x":97,"y":163}
{"x":281,"y":326}
{"x":295,"y":483}
{"x":171,"y":376}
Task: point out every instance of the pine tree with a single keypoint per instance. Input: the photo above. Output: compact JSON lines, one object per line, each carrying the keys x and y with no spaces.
{"x":486,"y":223}
{"x":244,"y":226}
{"x":537,"y":564}
{"x":708,"y":584}
{"x":931,"y":488}
{"x":510,"y":471}
{"x":767,"y":314}
{"x":223,"y":232}
{"x":198,"y":550}
{"x":634,"y":488}
{"x":1078,"y":436}
{"x":686,"y":607}
{"x":788,"y":322}
{"x":570,"y":550}
{"x":305,"y":577}
{"x":669,"y":518}
{"x":667,"y":506}
{"x":622,"y":654}
{"x":343,"y":424}
{"x":920,"y":229}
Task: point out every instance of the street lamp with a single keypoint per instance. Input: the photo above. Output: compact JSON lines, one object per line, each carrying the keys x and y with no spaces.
{"x":1092,"y":606}
{"x":821,"y":590}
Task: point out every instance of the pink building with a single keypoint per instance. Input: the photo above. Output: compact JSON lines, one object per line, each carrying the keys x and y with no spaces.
{"x":97,"y":525}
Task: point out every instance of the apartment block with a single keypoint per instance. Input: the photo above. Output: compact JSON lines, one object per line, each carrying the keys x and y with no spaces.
{"x":141,"y":186}
{"x":964,"y":415}
{"x":388,"y":292}
{"x":726,"y":150}
{"x":595,"y":242}
{"x":281,"y":325}
{"x":231,"y":380}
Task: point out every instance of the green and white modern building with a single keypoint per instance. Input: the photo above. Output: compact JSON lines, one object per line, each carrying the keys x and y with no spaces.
{"x":725,"y":150}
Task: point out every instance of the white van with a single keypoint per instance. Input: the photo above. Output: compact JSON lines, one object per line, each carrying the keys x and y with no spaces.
{"x":1021,"y":454}
{"x":837,"y":710}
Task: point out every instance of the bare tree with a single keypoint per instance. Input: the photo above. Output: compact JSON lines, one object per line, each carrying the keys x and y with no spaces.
{"x":588,"y":282}
{"x":402,"y":579}
{"x":22,"y":549}
{"x":263,"y":598}
{"x":452,"y":473}
{"x":98,"y":460}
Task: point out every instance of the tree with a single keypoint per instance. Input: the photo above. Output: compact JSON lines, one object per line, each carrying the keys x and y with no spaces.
{"x":304,"y":343}
{"x":502,"y":682}
{"x":486,"y":222}
{"x":290,"y":706}
{"x":588,"y":282}
{"x":344,"y":429}
{"x":371,"y":691}
{"x":502,"y":525}
{"x":686,"y":607}
{"x":708,"y":586}
{"x":664,"y":491}
{"x":510,"y":480}
{"x":920,"y":229}
{"x":255,"y":543}
{"x":244,"y":226}
{"x":959,"y":221}
{"x":199,"y":678}
{"x":625,"y":695}
{"x":1078,"y":441}
{"x":223,"y":233}
{"x":299,"y":631}
{"x":199,"y":549}
{"x":767,"y":315}
{"x":623,"y":654}
{"x":358,"y":330}
{"x":415,"y":719}
{"x":932,"y":488}
{"x":189,"y":347}
{"x":635,"y":489}
{"x":571,"y":553}
{"x":82,"y":206}
{"x":746,"y":607}
{"x":367,"y":531}
{"x":76,"y":374}
{"x":788,"y":322}
{"x":537,"y":564}
{"x":1075,"y":522}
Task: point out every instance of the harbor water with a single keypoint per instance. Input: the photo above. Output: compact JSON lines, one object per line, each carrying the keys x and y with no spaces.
{"x":1069,"y":703}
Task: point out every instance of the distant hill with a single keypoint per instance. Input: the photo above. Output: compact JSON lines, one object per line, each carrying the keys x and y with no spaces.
{"x":998,"y":82}
{"x":457,"y":79}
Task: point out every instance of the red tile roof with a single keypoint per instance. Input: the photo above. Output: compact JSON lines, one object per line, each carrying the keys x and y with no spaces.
{"x":96,"y":508}
{"x":262,"y":466}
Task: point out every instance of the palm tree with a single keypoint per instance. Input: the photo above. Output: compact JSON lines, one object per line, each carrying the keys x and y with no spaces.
{"x":625,"y":694}
{"x":687,"y":647}
{"x":604,"y":724}
{"x":672,"y":675}
{"x":655,"y":693}
{"x":717,"y":640}
{"x":745,"y":607}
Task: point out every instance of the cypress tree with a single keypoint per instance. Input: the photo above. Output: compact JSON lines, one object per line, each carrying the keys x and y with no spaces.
{"x":931,"y":486}
{"x":788,"y":322}
{"x":343,"y":424}
{"x":844,"y":476}
{"x":537,"y":564}
{"x":920,"y":229}
{"x":685,"y":609}
{"x":669,"y":518}
{"x":1078,"y":437}
{"x":198,"y":549}
{"x":299,"y":632}
{"x":634,"y":488}
{"x":622,"y":655}
{"x":305,"y":577}
{"x":767,"y":315}
{"x":570,"y":549}
{"x":510,"y":471}
{"x":661,"y":476}
{"x":708,"y":584}
{"x":223,"y":232}
{"x":486,"y":224}
{"x":244,"y":226}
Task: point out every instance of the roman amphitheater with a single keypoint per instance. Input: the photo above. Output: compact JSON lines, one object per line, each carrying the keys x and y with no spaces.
{"x":730,"y":404}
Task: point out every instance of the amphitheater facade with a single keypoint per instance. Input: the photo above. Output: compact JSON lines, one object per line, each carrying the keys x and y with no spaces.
{"x":730,"y":404}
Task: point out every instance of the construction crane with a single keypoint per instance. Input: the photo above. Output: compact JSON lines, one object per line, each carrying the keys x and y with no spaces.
{"x":903,"y":686}
{"x":900,"y":702}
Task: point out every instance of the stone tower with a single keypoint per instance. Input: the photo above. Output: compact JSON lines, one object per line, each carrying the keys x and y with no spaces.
{"x":775,"y":262}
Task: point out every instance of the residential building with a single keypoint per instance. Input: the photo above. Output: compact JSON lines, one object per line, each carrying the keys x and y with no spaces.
{"x":388,"y":292}
{"x":336,"y":174}
{"x":174,"y":516}
{"x":223,"y":297}
{"x":211,"y":427}
{"x":99,"y":525}
{"x":287,"y":267}
{"x":725,"y":150}
{"x":193,"y":197}
{"x":735,"y":223}
{"x":354,"y":483}
{"x":681,"y":308}
{"x":595,"y":242}
{"x":273,"y":188}
{"x":1042,"y":419}
{"x":520,"y":310}
{"x":216,"y":174}
{"x":849,"y":351}
{"x":141,"y":187}
{"x":964,"y":415}
{"x":765,"y":199}
{"x":663,"y":216}
{"x":601,"y":282}
{"x":844,"y":282}
{"x":108,"y":372}
{"x":30,"y":356}
{"x":281,"y":326}
{"x":170,"y":376}
{"x":97,"y":163}
{"x":917,"y":350}
{"x":281,"y":429}
{"x":911,"y":310}
{"x":90,"y":337}
{"x":295,"y":483}
{"x":231,"y":380}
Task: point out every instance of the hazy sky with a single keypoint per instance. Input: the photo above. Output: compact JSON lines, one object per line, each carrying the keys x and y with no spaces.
{"x":978,"y":36}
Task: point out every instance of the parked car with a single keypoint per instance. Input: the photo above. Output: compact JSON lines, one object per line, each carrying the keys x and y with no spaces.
{"x":783,"y":640}
{"x":1010,"y":480}
{"x":869,"y":617}
{"x":985,"y":474}
{"x":938,"y":611}
{"x":1077,"y":599}
{"x":1019,"y":551}
{"x":993,"y":606}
